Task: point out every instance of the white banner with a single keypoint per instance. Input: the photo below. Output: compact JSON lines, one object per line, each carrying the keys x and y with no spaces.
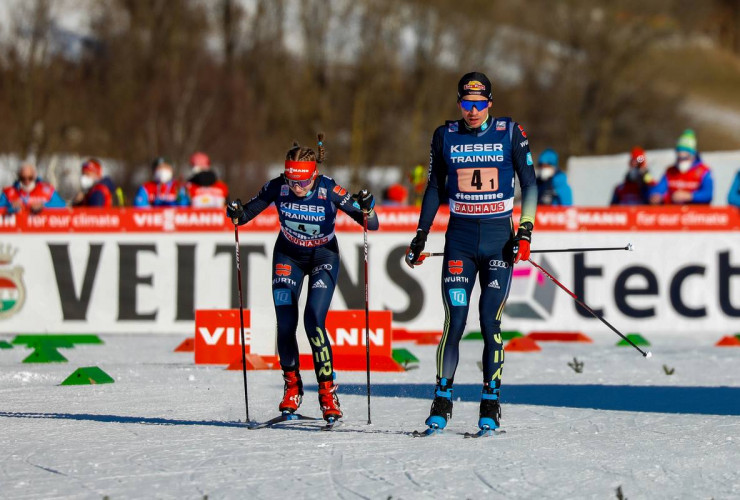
{"x":124,"y":283}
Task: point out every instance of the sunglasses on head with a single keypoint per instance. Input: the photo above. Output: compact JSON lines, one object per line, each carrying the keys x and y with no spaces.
{"x":469,"y":105}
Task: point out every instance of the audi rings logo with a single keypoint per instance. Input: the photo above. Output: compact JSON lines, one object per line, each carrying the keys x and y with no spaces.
{"x":496,"y":264}
{"x":322,"y":267}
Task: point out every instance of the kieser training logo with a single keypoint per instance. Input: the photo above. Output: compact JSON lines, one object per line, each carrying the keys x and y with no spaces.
{"x":532,"y":294}
{"x":12,"y":289}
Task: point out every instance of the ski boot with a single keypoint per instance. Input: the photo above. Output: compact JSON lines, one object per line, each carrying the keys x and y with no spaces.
{"x":490,"y":409}
{"x":441,"y":410}
{"x":329,"y":402}
{"x":293,"y":393}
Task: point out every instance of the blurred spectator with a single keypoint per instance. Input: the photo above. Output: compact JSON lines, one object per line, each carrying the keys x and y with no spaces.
{"x":204,"y":189}
{"x":96,"y":190}
{"x":552,"y":183}
{"x":688,"y":180}
{"x":395,"y":195}
{"x":418,"y":179}
{"x":733,"y":198}
{"x":635,"y":190}
{"x":163,"y":190}
{"x":29,"y":192}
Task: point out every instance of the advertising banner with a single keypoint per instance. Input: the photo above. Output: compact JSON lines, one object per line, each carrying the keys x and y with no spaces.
{"x":126,"y":271}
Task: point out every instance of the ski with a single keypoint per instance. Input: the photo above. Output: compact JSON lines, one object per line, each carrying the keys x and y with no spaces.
{"x":431,"y":431}
{"x":331,"y":424}
{"x":484,"y":433}
{"x":285,"y":417}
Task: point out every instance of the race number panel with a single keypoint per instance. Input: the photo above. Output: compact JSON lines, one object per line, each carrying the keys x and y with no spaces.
{"x":301,"y":227}
{"x":473,"y":180}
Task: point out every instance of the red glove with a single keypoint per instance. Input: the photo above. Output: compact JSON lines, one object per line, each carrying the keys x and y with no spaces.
{"x":522,"y":241}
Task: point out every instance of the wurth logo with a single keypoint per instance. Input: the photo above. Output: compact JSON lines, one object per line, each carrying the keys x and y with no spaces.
{"x":283,"y":269}
{"x":455,"y":266}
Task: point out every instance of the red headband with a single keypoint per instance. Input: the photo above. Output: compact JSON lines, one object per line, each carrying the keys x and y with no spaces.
{"x":299,"y":170}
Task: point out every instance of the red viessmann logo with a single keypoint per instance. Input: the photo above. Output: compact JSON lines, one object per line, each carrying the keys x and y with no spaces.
{"x":455,"y":266}
{"x":217,"y":336}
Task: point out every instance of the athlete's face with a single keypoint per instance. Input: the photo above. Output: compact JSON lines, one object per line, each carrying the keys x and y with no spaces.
{"x":469,"y":107}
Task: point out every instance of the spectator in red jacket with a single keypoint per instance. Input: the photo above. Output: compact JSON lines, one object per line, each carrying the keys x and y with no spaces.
{"x":96,"y":190}
{"x":163,"y":190}
{"x":30,"y":193}
{"x":689,"y":180}
{"x":204,"y":188}
{"x":635,"y":190}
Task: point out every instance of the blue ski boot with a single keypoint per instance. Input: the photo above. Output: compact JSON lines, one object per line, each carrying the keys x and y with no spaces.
{"x":490,"y":409}
{"x":441,"y":410}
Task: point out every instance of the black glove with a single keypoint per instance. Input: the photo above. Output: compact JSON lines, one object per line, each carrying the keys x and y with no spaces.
{"x":413,"y":253}
{"x":235,"y":210}
{"x":365,"y":200}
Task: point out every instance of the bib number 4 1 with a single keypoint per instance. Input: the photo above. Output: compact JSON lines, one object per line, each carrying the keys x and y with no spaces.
{"x":471,"y":180}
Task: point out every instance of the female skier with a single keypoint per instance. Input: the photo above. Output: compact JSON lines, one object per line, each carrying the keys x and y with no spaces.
{"x":307,"y":204}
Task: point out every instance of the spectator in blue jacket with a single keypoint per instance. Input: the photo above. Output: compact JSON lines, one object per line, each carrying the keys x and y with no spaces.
{"x":552,"y":183}
{"x":733,"y":198}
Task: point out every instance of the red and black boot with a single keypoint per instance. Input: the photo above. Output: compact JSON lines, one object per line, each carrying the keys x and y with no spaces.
{"x":328,"y":401}
{"x":293,"y":394}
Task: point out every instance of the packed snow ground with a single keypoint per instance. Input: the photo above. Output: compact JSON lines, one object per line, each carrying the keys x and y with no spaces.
{"x":169,"y":429}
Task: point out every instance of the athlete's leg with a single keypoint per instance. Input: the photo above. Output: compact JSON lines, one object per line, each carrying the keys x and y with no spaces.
{"x":287,"y":277}
{"x":458,"y":277}
{"x":495,"y":280}
{"x":321,"y":284}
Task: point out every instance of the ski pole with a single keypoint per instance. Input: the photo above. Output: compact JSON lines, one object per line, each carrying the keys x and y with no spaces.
{"x":241,"y":317}
{"x":628,"y":247}
{"x":582,"y":304}
{"x":367,"y":315}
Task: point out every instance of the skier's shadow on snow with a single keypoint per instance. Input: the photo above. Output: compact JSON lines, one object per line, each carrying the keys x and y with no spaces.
{"x":119,"y":419}
{"x":656,"y":399}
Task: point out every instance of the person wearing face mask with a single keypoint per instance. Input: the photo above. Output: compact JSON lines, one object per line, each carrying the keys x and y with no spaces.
{"x":635,"y":190}
{"x":163,"y":190}
{"x":689,"y":180}
{"x":203,"y":187}
{"x":552,"y":183}
{"x":96,"y":190}
{"x":30,"y":193}
{"x":306,"y":247}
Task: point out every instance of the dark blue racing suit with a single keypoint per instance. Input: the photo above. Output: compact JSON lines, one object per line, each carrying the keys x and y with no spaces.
{"x":474,"y":170}
{"x":306,"y":246}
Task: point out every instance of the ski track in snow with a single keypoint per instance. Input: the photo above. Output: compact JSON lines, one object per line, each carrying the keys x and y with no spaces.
{"x":156,"y":433}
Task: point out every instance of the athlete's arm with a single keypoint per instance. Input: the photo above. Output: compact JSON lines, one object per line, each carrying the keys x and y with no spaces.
{"x":436,"y":183}
{"x":704,"y":193}
{"x":343,"y":200}
{"x":266,"y":195}
{"x":524,"y":168}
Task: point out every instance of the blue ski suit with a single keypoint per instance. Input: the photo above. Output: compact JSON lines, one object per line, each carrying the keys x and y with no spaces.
{"x":305,"y":247}
{"x":474,"y":170}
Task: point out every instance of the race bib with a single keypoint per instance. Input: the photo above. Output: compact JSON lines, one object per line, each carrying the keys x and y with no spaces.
{"x":473,"y":180}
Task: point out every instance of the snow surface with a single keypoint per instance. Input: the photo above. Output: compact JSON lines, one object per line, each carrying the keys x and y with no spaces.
{"x":169,"y":429}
